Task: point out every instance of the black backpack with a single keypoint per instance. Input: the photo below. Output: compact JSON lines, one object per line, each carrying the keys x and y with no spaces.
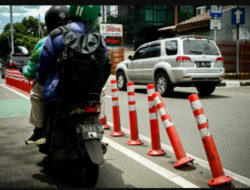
{"x":83,"y":67}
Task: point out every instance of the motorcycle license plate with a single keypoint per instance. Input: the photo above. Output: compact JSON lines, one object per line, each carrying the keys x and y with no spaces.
{"x":90,"y":131}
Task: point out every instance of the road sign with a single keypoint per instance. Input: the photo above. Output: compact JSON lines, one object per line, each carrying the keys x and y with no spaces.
{"x":215,"y":11}
{"x":238,"y":16}
{"x":215,"y":24}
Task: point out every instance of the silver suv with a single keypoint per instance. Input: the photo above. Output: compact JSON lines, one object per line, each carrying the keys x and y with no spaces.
{"x":179,"y":61}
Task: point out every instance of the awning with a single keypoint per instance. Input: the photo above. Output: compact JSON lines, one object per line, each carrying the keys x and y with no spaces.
{"x":167,"y":28}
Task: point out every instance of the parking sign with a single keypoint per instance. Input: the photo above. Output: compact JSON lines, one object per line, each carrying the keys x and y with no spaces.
{"x":215,"y":11}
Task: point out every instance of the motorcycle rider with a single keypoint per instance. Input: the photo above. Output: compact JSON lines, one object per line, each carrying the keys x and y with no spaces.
{"x":54,"y":17}
{"x":79,"y":16}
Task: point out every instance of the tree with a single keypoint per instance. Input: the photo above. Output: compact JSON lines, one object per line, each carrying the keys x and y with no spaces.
{"x":25,"y":34}
{"x":31,"y":24}
{"x":4,"y":44}
{"x":18,"y":27}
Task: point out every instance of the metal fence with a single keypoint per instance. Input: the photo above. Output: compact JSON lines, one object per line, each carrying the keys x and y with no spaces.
{"x":228,"y":51}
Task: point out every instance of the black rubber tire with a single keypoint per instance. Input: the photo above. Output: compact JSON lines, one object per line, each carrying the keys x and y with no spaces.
{"x":88,"y":176}
{"x":121,"y":81}
{"x":163,"y":84}
{"x":206,"y":88}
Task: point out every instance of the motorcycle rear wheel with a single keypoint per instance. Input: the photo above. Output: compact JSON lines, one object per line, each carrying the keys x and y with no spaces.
{"x":87,"y":175}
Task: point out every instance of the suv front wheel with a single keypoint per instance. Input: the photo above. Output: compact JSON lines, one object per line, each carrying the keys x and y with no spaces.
{"x":163,"y":84}
{"x":206,"y":88}
{"x":121,"y":80}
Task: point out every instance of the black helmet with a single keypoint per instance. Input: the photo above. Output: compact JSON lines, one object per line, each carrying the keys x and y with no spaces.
{"x":56,"y":16}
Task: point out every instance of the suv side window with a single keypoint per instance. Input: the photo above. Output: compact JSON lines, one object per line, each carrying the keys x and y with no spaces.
{"x":141,"y":53}
{"x":171,"y":47}
{"x":154,"y":50}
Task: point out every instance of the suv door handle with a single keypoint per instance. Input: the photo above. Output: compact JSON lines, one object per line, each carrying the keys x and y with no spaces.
{"x":155,"y":62}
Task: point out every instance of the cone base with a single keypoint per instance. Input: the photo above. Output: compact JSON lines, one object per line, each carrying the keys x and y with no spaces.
{"x":219,"y":180}
{"x":135,"y":142}
{"x":106,"y":126}
{"x":183,"y":161}
{"x":157,"y":152}
{"x":117,"y":134}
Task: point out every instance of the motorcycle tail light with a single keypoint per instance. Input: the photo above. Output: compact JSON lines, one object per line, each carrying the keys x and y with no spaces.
{"x":11,"y":64}
{"x":89,"y":109}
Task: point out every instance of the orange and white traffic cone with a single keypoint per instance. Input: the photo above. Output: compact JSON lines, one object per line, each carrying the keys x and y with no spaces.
{"x":171,"y":131}
{"x":154,"y":125}
{"x":116,"y":112}
{"x":134,"y":135}
{"x":208,"y":143}
{"x":102,"y":116}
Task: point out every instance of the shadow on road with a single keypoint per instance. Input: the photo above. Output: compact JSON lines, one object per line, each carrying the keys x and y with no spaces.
{"x":185,"y":167}
{"x":183,"y":95}
{"x":225,"y":185}
{"x":109,"y":176}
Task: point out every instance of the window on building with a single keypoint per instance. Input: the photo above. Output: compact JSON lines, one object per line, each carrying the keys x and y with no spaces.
{"x":149,"y":15}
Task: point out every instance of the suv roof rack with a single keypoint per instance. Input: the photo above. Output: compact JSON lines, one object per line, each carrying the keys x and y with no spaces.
{"x":193,"y":36}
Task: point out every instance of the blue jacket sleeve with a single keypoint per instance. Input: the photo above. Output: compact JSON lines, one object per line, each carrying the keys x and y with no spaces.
{"x":48,"y":57}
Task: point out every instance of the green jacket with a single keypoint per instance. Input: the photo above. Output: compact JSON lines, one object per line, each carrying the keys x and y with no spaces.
{"x":29,"y":70}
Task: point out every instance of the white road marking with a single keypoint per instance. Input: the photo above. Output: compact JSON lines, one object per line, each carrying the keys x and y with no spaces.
{"x":197,"y":160}
{"x":151,"y":165}
{"x":19,"y":93}
{"x":201,"y":162}
{"x":108,"y":96}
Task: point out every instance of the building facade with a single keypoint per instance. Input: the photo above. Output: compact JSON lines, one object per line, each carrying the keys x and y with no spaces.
{"x":140,"y":23}
{"x":200,"y":25}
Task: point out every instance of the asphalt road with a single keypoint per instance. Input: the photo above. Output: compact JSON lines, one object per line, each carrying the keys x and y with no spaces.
{"x":227,"y":110}
{"x":129,"y":166}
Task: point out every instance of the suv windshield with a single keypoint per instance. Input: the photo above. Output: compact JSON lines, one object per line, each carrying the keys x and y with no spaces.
{"x":197,"y":47}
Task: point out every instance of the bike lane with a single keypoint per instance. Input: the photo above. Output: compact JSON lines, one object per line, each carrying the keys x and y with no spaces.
{"x":24,"y":166}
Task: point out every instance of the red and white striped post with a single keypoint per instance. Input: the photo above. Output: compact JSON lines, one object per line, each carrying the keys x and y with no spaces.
{"x":208,"y":143}
{"x":154,"y":125}
{"x":102,"y":117}
{"x":171,"y":131}
{"x":116,"y":112}
{"x":134,"y":135}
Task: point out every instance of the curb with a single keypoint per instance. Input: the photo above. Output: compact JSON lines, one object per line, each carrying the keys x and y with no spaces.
{"x":234,"y":84}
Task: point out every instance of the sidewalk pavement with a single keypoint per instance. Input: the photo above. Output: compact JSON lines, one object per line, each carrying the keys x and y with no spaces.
{"x":225,"y":82}
{"x":234,"y":82}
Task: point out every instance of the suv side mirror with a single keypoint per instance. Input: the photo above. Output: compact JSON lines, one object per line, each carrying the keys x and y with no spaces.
{"x":130,"y":57}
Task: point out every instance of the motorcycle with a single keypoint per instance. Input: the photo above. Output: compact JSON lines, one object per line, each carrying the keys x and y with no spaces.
{"x":74,"y":134}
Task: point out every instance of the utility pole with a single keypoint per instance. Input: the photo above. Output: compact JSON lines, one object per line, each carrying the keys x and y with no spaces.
{"x":237,"y":49}
{"x":215,"y":31}
{"x":175,"y":15}
{"x":39,"y":26}
{"x":11,"y":31}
